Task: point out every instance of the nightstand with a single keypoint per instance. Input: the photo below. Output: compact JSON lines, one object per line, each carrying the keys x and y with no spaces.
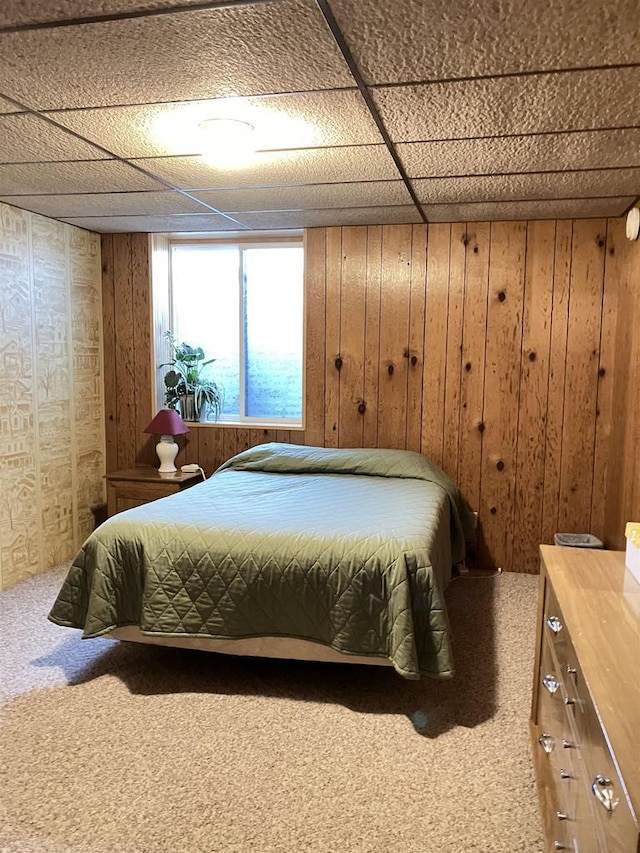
{"x":138,"y":486}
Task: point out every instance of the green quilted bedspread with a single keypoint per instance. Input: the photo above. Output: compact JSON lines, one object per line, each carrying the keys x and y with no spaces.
{"x":350,"y":548}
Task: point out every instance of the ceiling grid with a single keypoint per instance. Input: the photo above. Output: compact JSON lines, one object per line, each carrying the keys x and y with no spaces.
{"x":376,"y":112}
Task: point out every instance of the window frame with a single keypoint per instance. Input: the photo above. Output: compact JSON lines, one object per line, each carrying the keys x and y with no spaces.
{"x":239,"y":242}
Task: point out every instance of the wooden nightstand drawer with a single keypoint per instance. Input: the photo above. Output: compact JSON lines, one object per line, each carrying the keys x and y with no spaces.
{"x":137,"y":486}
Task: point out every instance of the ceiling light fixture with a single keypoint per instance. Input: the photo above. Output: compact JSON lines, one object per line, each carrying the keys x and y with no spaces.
{"x":227,"y":142}
{"x":633,"y":223}
{"x":229,"y":132}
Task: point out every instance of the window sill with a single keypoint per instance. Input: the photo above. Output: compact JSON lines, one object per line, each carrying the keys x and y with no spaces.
{"x":244,"y":425}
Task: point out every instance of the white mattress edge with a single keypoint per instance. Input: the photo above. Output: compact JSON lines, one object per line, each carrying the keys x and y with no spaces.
{"x":290,"y":648}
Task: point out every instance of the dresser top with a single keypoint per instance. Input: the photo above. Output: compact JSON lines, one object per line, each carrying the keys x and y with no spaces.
{"x":600,"y":603}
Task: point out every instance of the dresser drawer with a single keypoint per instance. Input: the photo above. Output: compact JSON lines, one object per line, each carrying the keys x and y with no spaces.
{"x":556,"y":753}
{"x":552,"y":712}
{"x":586,"y":837}
{"x":556,"y":632}
{"x":614,"y":820}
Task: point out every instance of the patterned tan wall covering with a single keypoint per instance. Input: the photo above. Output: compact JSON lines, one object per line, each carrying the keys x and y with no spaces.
{"x":51,"y":391}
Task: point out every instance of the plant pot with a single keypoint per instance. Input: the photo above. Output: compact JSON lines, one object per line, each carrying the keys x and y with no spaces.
{"x":188,"y":407}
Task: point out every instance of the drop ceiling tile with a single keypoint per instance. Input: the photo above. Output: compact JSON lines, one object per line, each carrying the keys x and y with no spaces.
{"x":152,"y":224}
{"x":561,"y":185}
{"x":307,"y":120}
{"x":521,"y":153}
{"x":494,"y":212}
{"x":428,"y":40}
{"x":318,"y":196}
{"x":20,"y":12}
{"x":106,"y":204}
{"x":580,"y":100}
{"x":310,"y":166}
{"x":84,"y":177}
{"x":276,"y":219}
{"x":27,"y":138}
{"x":230,"y":51}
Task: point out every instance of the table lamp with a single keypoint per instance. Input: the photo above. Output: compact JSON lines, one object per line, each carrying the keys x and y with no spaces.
{"x":166,"y":424}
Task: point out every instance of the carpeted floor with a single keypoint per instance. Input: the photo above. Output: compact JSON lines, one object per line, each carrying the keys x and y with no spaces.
{"x":122,"y":748}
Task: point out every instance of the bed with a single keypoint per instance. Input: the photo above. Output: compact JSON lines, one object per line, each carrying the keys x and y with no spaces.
{"x":287,"y":551}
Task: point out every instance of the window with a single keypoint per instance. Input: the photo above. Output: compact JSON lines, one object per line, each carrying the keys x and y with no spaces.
{"x":243,"y":304}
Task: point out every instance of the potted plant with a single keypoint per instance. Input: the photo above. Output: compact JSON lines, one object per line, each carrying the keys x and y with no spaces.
{"x":185,"y":385}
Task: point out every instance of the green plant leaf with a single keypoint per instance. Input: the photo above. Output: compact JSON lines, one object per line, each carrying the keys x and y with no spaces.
{"x":185,"y":377}
{"x":171,"y":379}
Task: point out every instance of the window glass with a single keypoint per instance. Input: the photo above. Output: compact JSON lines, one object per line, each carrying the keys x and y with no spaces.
{"x":206,"y":312}
{"x":244,"y":307}
{"x":273,"y":333}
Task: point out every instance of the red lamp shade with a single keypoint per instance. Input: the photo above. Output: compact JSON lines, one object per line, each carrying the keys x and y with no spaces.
{"x":167,"y":422}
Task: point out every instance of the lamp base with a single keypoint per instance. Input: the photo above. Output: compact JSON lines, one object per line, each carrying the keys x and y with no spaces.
{"x":167,"y":451}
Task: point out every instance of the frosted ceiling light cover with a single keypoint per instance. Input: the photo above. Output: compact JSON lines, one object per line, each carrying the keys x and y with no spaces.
{"x":215,"y":128}
{"x":227,"y":142}
{"x":633,"y":223}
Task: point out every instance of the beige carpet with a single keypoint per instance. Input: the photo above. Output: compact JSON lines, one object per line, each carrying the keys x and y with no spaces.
{"x":119,"y":748}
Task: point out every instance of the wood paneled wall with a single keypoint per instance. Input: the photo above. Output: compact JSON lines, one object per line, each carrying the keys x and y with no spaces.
{"x":621,"y":482}
{"x":128,"y":350}
{"x":130,"y":370}
{"x":499,"y":350}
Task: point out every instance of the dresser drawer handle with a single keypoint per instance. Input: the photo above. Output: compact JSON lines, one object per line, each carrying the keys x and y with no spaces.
{"x":604,"y":793}
{"x":569,"y":701}
{"x":570,"y":670}
{"x":558,"y":845}
{"x":564,"y":774}
{"x":550,"y":682}
{"x":562,"y":816}
{"x":554,"y":624}
{"x":546,"y":742}
{"x":568,"y":744}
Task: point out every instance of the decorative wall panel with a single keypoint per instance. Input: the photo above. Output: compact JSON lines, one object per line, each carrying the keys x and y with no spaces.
{"x":51,"y":391}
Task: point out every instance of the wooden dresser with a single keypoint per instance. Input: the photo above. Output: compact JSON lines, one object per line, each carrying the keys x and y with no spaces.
{"x":585,"y":720}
